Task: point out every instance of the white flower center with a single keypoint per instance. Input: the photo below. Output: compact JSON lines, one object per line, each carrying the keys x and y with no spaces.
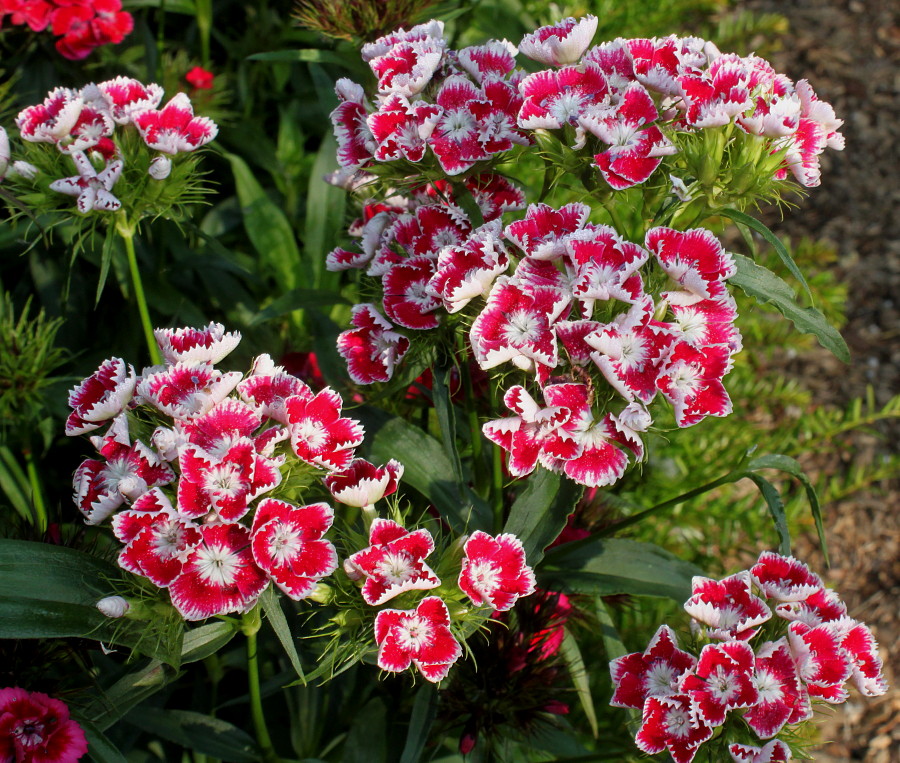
{"x":485,"y":576}
{"x":686,"y":379}
{"x":678,"y":722}
{"x":312,"y":432}
{"x":217,"y":565}
{"x":414,"y":634}
{"x":395,"y":567}
{"x":566,"y":107}
{"x":457,"y":125}
{"x":692,"y":324}
{"x":522,"y":327}
{"x":722,"y":686}
{"x":768,"y":686}
{"x":168,"y":539}
{"x":224,"y":478}
{"x":659,"y":680}
{"x":285,"y":544}
{"x":634,"y":351}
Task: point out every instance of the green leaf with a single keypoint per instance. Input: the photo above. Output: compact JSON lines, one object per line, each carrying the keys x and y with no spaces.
{"x":199,"y":643}
{"x":425,"y":465}
{"x":367,"y":740}
{"x":325,"y":205}
{"x":129,"y":691}
{"x":776,"y":509}
{"x":443,"y":408}
{"x":199,"y":732}
{"x":609,"y":634}
{"x":298,"y":299}
{"x":539,"y":514}
{"x":579,"y":675}
{"x":619,"y":566}
{"x":14,"y":483}
{"x":766,"y":287}
{"x":751,"y":222}
{"x":267,"y":227}
{"x":424,"y":712}
{"x":306,"y":55}
{"x":272,"y":607}
{"x":101,"y":750}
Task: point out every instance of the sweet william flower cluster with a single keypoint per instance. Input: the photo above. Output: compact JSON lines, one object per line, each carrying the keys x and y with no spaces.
{"x":197,"y":472}
{"x":604,"y":319}
{"x":776,"y":641}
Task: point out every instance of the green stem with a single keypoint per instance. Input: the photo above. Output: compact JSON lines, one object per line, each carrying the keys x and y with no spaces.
{"x":127,"y":231}
{"x":37,"y":495}
{"x":250,"y":626}
{"x":472,"y":416}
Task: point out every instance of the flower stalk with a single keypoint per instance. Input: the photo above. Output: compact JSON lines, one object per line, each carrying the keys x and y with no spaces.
{"x":250,"y":624}
{"x":126,"y":231}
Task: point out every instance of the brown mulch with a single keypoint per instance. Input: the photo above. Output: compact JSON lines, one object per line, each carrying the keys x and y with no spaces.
{"x":849,"y":50}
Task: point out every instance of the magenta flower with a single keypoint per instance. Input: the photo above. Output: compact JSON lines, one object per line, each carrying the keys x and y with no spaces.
{"x":174,"y":128}
{"x":268,"y":387}
{"x":782,"y":697}
{"x":408,"y":66}
{"x":494,"y":571}
{"x":35,"y":728}
{"x":319,"y":434}
{"x":456,"y":137}
{"x":393,"y":562}
{"x":655,"y":672}
{"x":192,"y":345}
{"x":186,"y":390}
{"x":670,"y":723}
{"x":287,"y":543}
{"x":407,"y":299}
{"x":555,"y":98}
{"x":400,"y":129}
{"x":494,"y":59}
{"x":419,"y":637}
{"x":784,"y":578}
{"x":126,"y":96}
{"x":66,"y":120}
{"x":543,"y":232}
{"x":363,"y":484}
{"x":351,"y":131}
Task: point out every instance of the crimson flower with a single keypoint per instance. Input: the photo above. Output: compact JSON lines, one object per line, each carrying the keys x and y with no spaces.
{"x":35,"y":728}
{"x":655,"y":672}
{"x":494,"y":571}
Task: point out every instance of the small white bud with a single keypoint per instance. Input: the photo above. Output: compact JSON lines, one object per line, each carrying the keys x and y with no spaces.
{"x":113,"y":606}
{"x":160,"y":168}
{"x":25,"y":170}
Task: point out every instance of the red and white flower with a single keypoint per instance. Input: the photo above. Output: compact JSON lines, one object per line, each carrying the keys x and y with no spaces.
{"x":543,"y":232}
{"x":784,"y":578}
{"x":407,"y":67}
{"x":407,"y":299}
{"x":92,"y":189}
{"x":400,"y":129}
{"x":494,"y":59}
{"x":455,"y":139}
{"x":174,"y":128}
{"x":823,"y":664}
{"x":268,"y":387}
{"x":65,"y":120}
{"x":221,"y":426}
{"x":555,"y":98}
{"x":125,"y":96}
{"x":721,"y":681}
{"x":775,"y":751}
{"x":819,"y":607}
{"x":865,"y":663}
{"x":533,"y":434}
{"x":655,"y":672}
{"x":658,"y":63}
{"x":560,"y":43}
{"x":355,"y":143}
{"x":372,"y":349}
{"x":709,"y":321}
{"x":494,"y":571}
{"x":101,"y":396}
{"x":286,"y":542}
{"x":192,"y":345}
{"x":468,"y":271}
{"x":219,"y":575}
{"x":694,"y":258}
{"x":670,"y":723}
{"x":157,"y":540}
{"x":319,"y":434}
{"x":394,"y":562}
{"x":714,"y":97}
{"x":419,"y":637}
{"x":363,"y":484}
{"x":782,"y":697}
{"x":185,"y":390}
{"x":727,"y":607}
{"x":691,"y":379}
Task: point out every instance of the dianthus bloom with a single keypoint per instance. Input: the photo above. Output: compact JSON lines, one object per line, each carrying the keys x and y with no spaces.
{"x":35,"y":728}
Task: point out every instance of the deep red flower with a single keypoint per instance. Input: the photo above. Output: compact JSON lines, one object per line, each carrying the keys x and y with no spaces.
{"x":200,"y":78}
{"x":35,"y":728}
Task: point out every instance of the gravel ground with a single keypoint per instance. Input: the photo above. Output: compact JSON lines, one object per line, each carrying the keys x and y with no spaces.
{"x":849,"y":50}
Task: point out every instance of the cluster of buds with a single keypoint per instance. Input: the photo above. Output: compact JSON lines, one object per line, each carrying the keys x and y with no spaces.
{"x":200,"y":470}
{"x":106,"y":129}
{"x":81,"y":25}
{"x":756,"y":670}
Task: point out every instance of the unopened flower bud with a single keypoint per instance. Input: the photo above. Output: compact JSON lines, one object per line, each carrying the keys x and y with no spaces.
{"x":25,"y":170}
{"x":322,"y":594}
{"x":160,"y":168}
{"x":113,"y":606}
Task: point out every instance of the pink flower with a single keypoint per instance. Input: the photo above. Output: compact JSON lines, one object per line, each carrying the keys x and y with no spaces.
{"x":407,"y":299}
{"x":268,"y":387}
{"x":219,"y":575}
{"x":560,"y":43}
{"x":287,"y":543}
{"x":823,"y":664}
{"x":543,"y":232}
{"x":408,"y":66}
{"x":659,"y":62}
{"x":655,"y":672}
{"x":100,"y":397}
{"x":670,"y":723}
{"x":555,"y":98}
{"x":351,"y":131}
{"x":65,"y":119}
{"x":363,"y":484}
{"x":494,"y":59}
{"x":393,"y":562}
{"x":319,"y":434}
{"x":694,"y":258}
{"x":419,"y":637}
{"x":174,"y":128}
{"x":775,"y":751}
{"x":494,"y":571}
{"x":727,"y":607}
{"x":35,"y":728}
{"x":191,"y":345}
{"x":372,"y":349}
{"x":186,"y":390}
{"x":691,"y":380}
{"x":455,"y":138}
{"x":200,"y":78}
{"x":721,"y":681}
{"x":400,"y":129}
{"x":125,"y":96}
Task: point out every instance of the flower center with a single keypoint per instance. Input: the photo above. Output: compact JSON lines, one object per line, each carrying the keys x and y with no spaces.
{"x":678,"y":722}
{"x":395,"y":567}
{"x":217,"y":565}
{"x":522,"y":327}
{"x":660,"y":679}
{"x":312,"y":433}
{"x":414,"y":634}
{"x":285,"y":544}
